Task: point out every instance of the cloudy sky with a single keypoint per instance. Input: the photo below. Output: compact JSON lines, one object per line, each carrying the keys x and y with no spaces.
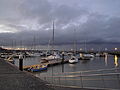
{"x":93,"y":20}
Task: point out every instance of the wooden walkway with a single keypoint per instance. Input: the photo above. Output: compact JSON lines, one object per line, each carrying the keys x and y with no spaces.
{"x":50,"y":63}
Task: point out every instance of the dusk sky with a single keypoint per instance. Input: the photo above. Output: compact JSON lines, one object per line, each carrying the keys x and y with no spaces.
{"x":93,"y":20}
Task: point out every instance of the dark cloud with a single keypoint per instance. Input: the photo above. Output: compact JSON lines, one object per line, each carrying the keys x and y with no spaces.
{"x":39,"y":9}
{"x":94,"y":21}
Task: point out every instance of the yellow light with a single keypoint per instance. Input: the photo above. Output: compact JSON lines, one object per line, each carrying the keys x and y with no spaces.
{"x":18,"y":48}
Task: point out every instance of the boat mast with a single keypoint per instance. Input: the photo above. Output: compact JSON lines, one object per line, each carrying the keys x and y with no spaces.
{"x":34,"y":42}
{"x":85,"y":46}
{"x":75,"y":42}
{"x":48,"y":48}
{"x":53,"y":37}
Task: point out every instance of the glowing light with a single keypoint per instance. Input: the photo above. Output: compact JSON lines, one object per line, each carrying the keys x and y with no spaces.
{"x":9,"y":48}
{"x":81,"y":55}
{"x":21,"y":48}
{"x":116,"y":48}
{"x":18,"y":48}
{"x":80,"y":48}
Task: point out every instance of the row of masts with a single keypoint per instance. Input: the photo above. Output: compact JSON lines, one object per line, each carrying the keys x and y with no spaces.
{"x":52,"y":42}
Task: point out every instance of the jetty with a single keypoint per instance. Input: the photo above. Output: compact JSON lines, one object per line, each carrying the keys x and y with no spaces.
{"x":50,"y":63}
{"x":11,"y":78}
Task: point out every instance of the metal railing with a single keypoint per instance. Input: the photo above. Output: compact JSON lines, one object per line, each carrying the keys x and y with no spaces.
{"x":102,"y":78}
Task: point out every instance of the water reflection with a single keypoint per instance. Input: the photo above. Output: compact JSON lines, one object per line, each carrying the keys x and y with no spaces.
{"x":62,"y":68}
{"x":106,"y":60}
{"x":72,"y":65}
{"x":85,"y":61}
{"x":116,"y":61}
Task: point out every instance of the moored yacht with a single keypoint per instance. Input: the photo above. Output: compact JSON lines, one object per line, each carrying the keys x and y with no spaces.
{"x":73,"y":59}
{"x":86,"y":56}
{"x":53,"y":57}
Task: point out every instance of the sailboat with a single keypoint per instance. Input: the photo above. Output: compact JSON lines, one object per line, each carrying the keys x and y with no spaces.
{"x":86,"y":56}
{"x":73,"y":58}
{"x":55,"y":55}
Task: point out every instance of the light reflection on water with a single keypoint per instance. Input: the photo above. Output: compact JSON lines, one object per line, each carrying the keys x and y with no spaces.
{"x":116,"y":61}
{"x":106,"y":60}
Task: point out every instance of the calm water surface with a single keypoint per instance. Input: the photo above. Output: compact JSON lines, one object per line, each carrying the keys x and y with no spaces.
{"x":107,"y":62}
{"x":83,"y":65}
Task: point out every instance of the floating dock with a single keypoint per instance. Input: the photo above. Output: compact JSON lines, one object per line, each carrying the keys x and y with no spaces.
{"x":50,"y":63}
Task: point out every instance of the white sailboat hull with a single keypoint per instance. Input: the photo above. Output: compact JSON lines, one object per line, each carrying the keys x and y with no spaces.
{"x":73,"y":60}
{"x":87,"y":56}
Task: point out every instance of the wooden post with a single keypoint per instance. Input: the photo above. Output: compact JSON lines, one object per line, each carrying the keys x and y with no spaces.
{"x":62,"y":62}
{"x":21,"y":62}
{"x":62,"y":57}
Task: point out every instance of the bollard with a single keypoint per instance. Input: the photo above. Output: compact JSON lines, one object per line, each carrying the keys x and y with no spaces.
{"x":21,"y":62}
{"x":62,"y":62}
{"x":62,"y":57}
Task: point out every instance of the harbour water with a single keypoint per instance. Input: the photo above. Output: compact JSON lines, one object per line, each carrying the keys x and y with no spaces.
{"x":93,"y":64}
{"x":69,"y":74}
